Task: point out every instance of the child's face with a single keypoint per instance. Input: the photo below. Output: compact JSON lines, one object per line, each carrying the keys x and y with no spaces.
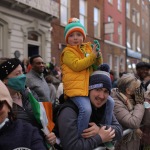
{"x":75,"y":38}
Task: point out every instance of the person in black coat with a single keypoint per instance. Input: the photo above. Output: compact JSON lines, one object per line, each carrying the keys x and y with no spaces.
{"x":16,"y":134}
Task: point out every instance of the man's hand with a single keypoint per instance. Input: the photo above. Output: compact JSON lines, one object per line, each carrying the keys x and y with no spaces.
{"x":106,"y":135}
{"x":91,"y":131}
{"x":51,"y":138}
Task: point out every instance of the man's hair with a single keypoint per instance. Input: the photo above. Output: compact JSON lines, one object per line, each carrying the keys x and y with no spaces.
{"x":33,"y":57}
{"x":142,"y":65}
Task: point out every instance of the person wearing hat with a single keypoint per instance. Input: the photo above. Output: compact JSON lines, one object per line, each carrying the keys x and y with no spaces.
{"x":129,"y":110}
{"x":77,"y":60}
{"x":16,"y":134}
{"x":142,"y":71}
{"x":14,"y":79}
{"x":98,"y":132}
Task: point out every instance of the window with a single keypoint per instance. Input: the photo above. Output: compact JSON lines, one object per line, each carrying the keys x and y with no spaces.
{"x":138,"y":1}
{"x":133,"y":15}
{"x":32,"y":36}
{"x":138,"y":19}
{"x":64,"y":12}
{"x":128,"y":10}
{"x":133,"y":41}
{"x":83,"y":13}
{"x":4,"y":31}
{"x":128,"y":38}
{"x":122,"y":62}
{"x":109,"y":58}
{"x":120,"y":5}
{"x":116,"y":65}
{"x":1,"y":37}
{"x":146,"y":26}
{"x":143,"y":45}
{"x":119,"y":33}
{"x":110,"y":1}
{"x":138,"y":44}
{"x":143,"y":24}
{"x":110,"y":19}
{"x":96,"y":22}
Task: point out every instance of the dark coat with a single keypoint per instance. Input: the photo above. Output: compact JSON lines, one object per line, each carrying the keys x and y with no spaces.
{"x":67,"y":126}
{"x":19,"y":134}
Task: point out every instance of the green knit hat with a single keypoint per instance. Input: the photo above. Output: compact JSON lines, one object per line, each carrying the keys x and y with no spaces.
{"x":74,"y":25}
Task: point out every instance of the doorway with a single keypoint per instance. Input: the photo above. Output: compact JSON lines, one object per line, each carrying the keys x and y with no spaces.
{"x":33,"y":50}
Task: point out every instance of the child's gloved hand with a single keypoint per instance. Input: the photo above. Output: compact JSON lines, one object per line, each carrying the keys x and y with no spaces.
{"x":97,"y":47}
{"x":97,"y":44}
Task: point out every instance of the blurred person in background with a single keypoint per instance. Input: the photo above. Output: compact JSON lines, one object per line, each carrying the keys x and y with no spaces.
{"x":142,"y":71}
{"x":35,"y":79}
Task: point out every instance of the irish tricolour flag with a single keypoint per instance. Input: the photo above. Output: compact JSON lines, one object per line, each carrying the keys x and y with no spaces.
{"x":43,"y":113}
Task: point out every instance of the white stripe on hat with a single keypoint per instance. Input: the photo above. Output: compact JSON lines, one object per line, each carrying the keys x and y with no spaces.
{"x":95,"y":86}
{"x":101,"y":72}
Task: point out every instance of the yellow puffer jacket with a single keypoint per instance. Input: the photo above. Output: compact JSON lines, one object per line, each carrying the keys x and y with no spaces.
{"x":76,"y":65}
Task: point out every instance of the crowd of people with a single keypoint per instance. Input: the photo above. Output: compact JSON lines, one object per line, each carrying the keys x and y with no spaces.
{"x":89,"y":110}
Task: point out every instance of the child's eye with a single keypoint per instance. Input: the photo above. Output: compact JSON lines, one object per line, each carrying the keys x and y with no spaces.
{"x":79,"y":34}
{"x":70,"y":35}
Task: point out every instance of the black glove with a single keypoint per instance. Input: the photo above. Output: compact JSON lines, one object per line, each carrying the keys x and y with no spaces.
{"x":139,"y":95}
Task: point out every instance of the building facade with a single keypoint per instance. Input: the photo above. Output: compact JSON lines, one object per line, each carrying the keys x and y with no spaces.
{"x":29,"y":27}
{"x":25,"y":28}
{"x":137,"y":33}
{"x":114,"y":35}
{"x":145,"y":30}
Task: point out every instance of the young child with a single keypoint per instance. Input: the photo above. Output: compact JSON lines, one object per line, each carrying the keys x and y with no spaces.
{"x":77,"y":61}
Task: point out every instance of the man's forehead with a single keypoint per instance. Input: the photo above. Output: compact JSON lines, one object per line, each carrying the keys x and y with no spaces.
{"x":38,"y":59}
{"x":144,"y":68}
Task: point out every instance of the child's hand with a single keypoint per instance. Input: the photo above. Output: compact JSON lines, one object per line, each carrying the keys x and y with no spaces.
{"x":94,"y":50}
{"x":97,"y":45}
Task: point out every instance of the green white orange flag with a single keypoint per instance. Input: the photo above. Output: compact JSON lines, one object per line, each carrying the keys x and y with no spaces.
{"x":43,"y":113}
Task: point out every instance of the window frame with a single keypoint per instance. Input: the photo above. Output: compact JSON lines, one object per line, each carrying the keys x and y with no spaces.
{"x":119,"y":5}
{"x":97,"y":21}
{"x":128,"y":10}
{"x":66,"y":6}
{"x":111,"y":38}
{"x":120,"y":33}
{"x":83,"y":15}
{"x":110,"y":1}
